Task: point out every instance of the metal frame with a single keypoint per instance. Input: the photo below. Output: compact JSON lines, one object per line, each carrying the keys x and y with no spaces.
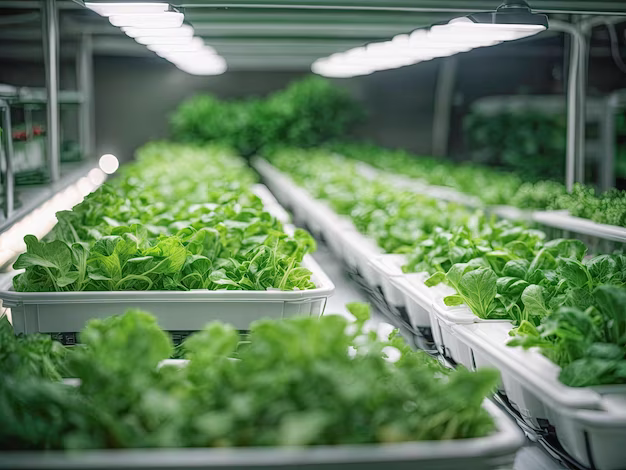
{"x":50,"y":16}
{"x":614,"y":102}
{"x":444,"y":96}
{"x":84,"y":66}
{"x":7,"y":140}
{"x":52,"y":98}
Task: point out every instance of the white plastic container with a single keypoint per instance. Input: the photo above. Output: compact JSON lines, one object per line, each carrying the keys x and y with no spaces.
{"x":491,"y":452}
{"x":67,"y":312}
{"x":564,"y":221}
{"x":589,"y":422}
{"x":418,"y":298}
{"x":358,"y":251}
{"x":443,"y":319}
{"x":384,"y":269}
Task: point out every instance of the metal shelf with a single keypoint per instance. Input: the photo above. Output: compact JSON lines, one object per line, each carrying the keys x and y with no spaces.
{"x":34,"y":196}
{"x":25,"y":95}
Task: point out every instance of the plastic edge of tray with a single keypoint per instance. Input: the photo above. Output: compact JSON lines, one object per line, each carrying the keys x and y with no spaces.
{"x":485,"y":452}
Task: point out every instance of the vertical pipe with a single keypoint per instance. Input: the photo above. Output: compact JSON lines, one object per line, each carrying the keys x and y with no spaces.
{"x":582,"y":107}
{"x":50,"y":17}
{"x":607,"y":164}
{"x":574,"y":140}
{"x":85,"y":89}
{"x":444,"y":95}
{"x":7,"y":137}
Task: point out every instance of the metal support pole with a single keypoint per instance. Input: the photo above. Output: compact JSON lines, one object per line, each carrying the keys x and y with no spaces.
{"x":85,"y":88}
{"x":444,"y":95}
{"x":582,"y":107}
{"x":7,"y":138}
{"x":607,"y":165}
{"x":576,"y":116}
{"x":51,"y":53}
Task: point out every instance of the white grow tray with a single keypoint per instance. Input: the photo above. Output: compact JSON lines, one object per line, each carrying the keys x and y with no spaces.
{"x":418,"y":298}
{"x":67,"y":312}
{"x":443,"y":319}
{"x":385,"y":268}
{"x":489,"y":452}
{"x":177,"y":311}
{"x":589,"y":422}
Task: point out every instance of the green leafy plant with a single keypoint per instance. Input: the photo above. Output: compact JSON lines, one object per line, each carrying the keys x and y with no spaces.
{"x":301,"y":381}
{"x":180,"y":218}
{"x":307,"y":113}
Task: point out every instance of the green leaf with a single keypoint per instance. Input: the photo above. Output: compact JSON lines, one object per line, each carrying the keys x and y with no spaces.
{"x":534,"y":303}
{"x":453,"y":300}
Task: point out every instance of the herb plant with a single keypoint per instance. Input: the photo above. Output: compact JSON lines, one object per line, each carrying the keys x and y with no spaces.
{"x":180,"y":218}
{"x":301,"y":381}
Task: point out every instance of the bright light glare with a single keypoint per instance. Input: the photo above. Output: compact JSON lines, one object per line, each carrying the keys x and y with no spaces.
{"x":169,"y":19}
{"x":127,"y":8}
{"x":163,"y":49}
{"x":108,"y":163}
{"x":42,"y":219}
{"x":163,"y":40}
{"x":200,"y":63}
{"x":96,"y":176}
{"x":185,"y":31}
{"x":459,"y":35}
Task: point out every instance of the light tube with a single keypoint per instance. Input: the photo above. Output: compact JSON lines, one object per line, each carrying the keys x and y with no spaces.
{"x":127,"y":8}
{"x":194,"y":45}
{"x":184,"y":31}
{"x":168,"y":19}
{"x":511,"y":21}
{"x":163,"y":40}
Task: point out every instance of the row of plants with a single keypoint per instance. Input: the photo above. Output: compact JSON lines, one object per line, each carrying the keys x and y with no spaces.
{"x":495,"y":187}
{"x":300,"y":381}
{"x":571,"y":306}
{"x":312,"y":112}
{"x":181,"y":217}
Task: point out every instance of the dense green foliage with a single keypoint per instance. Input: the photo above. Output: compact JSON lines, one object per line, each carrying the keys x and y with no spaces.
{"x":528,"y":142}
{"x":588,"y":343}
{"x":531,"y":143}
{"x":295,"y":382}
{"x":179,"y":218}
{"x":307,"y":113}
{"x":498,"y":268}
{"x":495,"y":187}
{"x":395,"y":218}
{"x":491,"y":186}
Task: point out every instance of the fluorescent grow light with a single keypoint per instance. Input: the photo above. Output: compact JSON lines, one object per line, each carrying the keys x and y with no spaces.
{"x":168,"y":19}
{"x":163,"y":49}
{"x":511,"y":21}
{"x":127,"y":8}
{"x":164,"y":40}
{"x":184,"y":31}
{"x":160,"y":28}
{"x":217,"y":67}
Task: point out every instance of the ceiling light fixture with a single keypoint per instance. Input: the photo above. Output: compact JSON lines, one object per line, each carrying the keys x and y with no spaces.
{"x":127,"y":8}
{"x":513,"y":20}
{"x":167,"y":19}
{"x":184,"y":31}
{"x":160,"y":28}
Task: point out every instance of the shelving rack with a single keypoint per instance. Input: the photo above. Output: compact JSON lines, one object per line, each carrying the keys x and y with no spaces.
{"x":52,"y":98}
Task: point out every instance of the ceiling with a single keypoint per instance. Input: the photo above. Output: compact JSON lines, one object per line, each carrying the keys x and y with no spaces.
{"x":255,"y":34}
